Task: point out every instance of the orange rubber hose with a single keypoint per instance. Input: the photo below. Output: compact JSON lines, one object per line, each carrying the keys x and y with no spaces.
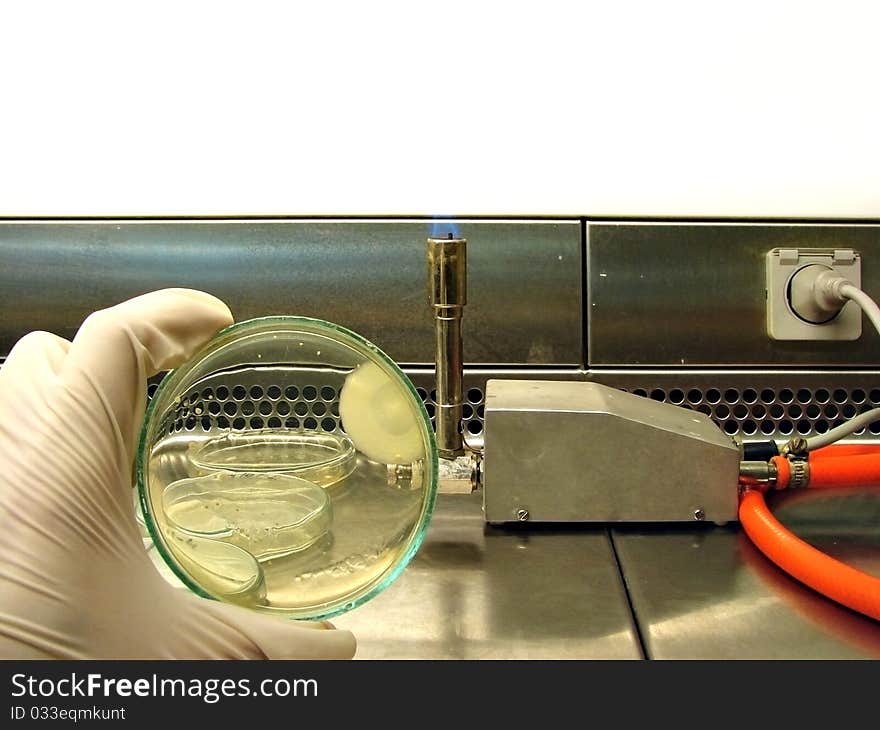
{"x":848,"y":586}
{"x":836,"y":450}
{"x":844,"y":471}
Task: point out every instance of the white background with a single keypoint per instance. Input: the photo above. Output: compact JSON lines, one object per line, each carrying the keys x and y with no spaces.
{"x":641,"y":109}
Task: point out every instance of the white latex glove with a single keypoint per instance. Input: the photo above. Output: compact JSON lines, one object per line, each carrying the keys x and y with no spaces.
{"x":75,"y":580}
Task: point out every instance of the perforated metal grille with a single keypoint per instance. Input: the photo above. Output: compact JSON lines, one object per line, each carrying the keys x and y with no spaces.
{"x":767,"y":406}
{"x":763,"y":405}
{"x":311,"y":407}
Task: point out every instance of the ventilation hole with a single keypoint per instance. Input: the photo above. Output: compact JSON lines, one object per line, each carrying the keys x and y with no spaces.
{"x":222,"y":392}
{"x":874,"y":428}
{"x":310,"y":392}
{"x":151,"y":389}
{"x":208,"y":394}
{"x":282,"y":408}
{"x":256,"y":392}
{"x":475,"y":395}
{"x":821,"y":425}
{"x":256,"y":422}
{"x":758,"y":411}
{"x":292,"y":423}
{"x":423,"y":394}
{"x":804,"y":396}
{"x":839,"y":395}
{"x":206,"y":424}
{"x":859,"y":432}
{"x":248,"y":408}
{"x":310,"y":424}
{"x":676,"y":396}
{"x":767,"y":427}
{"x":740,"y":411}
{"x":838,"y":422}
{"x":481,"y":412}
{"x":194,"y":396}
{"x":273,"y":392}
{"x":265,"y":408}
{"x":274,"y":422}
{"x":749,"y":428}
{"x":658,"y":394}
{"x":875,"y":396}
{"x":713,"y":395}
{"x":474,"y":427}
{"x":467,"y":411}
{"x":731,"y":395}
{"x":291,"y":392}
{"x":222,"y":422}
{"x":230,"y":409}
{"x":328,"y":424}
{"x":429,"y":407}
{"x":238,"y":423}
{"x":190,"y":424}
{"x":694,"y":396}
{"x":704,"y":409}
{"x":823,"y":396}
{"x":831,"y":411}
{"x":199,"y":410}
{"x":301,"y":409}
{"x":786,"y":396}
{"x":722,"y":411}
{"x":641,"y":392}
{"x":178,"y":425}
{"x":731,"y":427}
{"x":812,"y":411}
{"x":334,"y":408}
{"x":794,"y":411}
{"x":848,"y":410}
{"x":804,"y":427}
{"x":214,"y":408}
{"x":750,"y":395}
{"x":785,"y":427}
{"x":319,"y":409}
{"x":768,"y":395}
{"x":327,"y":393}
{"x":434,"y":396}
{"x":858,"y":396}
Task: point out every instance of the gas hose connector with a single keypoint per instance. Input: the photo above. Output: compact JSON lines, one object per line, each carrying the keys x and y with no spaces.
{"x":760,"y":475}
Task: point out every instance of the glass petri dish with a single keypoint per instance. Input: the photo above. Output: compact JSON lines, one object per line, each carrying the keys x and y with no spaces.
{"x":289,"y":466}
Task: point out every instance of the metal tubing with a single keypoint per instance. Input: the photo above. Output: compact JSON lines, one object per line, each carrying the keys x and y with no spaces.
{"x":447,"y":285}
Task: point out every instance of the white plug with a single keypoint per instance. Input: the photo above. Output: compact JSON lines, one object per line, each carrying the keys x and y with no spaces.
{"x":814,"y":293}
{"x":805,"y":294}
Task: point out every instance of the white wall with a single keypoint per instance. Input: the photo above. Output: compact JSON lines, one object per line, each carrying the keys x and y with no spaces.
{"x":744,"y":109}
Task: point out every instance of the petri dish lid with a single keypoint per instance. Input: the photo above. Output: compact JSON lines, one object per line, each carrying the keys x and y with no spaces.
{"x":289,"y":466}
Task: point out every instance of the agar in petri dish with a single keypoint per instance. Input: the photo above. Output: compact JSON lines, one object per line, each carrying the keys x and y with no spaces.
{"x":303,"y":491}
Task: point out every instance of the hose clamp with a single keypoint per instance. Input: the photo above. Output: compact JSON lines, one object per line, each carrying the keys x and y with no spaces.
{"x":799,"y":475}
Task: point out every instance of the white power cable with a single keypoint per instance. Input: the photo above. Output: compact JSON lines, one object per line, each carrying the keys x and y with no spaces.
{"x":837,"y":289}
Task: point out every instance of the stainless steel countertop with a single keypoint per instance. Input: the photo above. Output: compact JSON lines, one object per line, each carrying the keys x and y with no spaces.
{"x":478,"y":592}
{"x":711,"y":594}
{"x":475,"y":591}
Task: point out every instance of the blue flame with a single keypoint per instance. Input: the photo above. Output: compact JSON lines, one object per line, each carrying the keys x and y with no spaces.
{"x":444,"y":227}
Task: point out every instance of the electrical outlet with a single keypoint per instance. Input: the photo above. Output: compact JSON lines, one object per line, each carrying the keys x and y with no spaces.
{"x":782,"y":322}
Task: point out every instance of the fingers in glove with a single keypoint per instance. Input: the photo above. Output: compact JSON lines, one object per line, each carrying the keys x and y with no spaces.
{"x":117,"y":349}
{"x":36,"y":355}
{"x":258,"y":636}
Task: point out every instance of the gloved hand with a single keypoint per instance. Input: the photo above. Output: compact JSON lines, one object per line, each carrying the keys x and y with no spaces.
{"x":75,"y":580}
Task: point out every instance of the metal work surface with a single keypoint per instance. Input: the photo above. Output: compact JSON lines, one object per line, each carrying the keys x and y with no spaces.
{"x":365,"y":275}
{"x":476,"y":592}
{"x":709,"y":593}
{"x":686,"y":294}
